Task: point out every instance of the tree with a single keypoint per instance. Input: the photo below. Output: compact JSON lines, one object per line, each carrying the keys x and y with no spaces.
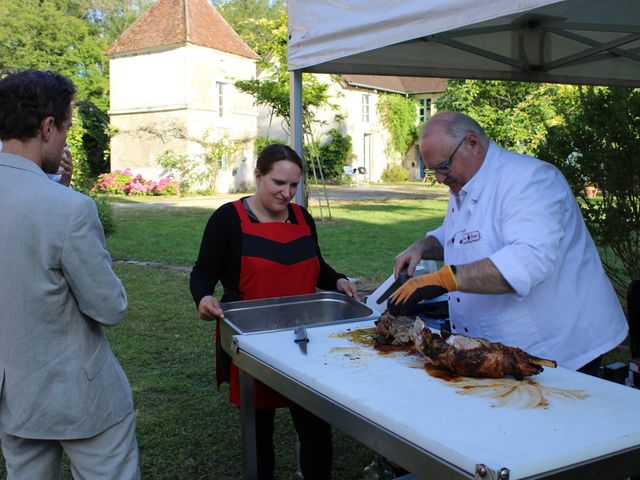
{"x":272,"y":89}
{"x":335,"y":153}
{"x":52,"y":35}
{"x":71,"y":37}
{"x":598,"y":143}
{"x":110,"y":18}
{"x":514,"y":114}
{"x":253,"y":20}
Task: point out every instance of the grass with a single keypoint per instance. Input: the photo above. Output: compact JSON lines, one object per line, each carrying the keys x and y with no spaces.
{"x":361,"y":240}
{"x":364,"y":237}
{"x":186,"y":428}
{"x":165,"y":235}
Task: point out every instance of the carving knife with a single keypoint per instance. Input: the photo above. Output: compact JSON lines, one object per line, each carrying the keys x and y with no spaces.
{"x":301,"y":338}
{"x":402,"y":278}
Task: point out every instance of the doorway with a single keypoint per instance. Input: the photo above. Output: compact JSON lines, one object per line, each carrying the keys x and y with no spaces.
{"x":419,"y":163}
{"x":366,"y":155}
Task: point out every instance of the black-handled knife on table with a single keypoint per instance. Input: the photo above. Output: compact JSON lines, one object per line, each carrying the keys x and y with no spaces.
{"x":301,"y":338}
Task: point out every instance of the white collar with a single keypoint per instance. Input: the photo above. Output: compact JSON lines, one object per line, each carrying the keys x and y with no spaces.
{"x":476,"y":184}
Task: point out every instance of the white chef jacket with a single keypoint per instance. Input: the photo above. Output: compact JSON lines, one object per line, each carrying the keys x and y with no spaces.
{"x":520,"y":213}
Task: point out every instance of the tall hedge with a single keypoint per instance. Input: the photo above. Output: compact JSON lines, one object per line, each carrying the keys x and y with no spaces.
{"x":335,"y":154}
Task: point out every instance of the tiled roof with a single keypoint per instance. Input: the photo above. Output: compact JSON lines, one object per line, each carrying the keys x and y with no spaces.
{"x":176,"y":22}
{"x":409,"y":85}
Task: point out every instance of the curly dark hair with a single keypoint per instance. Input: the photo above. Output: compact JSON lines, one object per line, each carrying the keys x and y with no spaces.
{"x":29,"y":96}
{"x":274,"y":153}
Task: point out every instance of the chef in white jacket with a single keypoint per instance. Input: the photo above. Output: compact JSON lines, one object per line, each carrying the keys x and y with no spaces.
{"x":520,"y":265}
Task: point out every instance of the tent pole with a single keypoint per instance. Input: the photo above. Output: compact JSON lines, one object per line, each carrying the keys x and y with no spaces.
{"x":295,"y":106}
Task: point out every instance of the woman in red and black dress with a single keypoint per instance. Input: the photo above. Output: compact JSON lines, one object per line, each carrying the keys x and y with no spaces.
{"x":259,"y":247}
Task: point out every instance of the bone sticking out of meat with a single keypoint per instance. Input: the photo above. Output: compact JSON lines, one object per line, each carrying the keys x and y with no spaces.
{"x":392,"y":330}
{"x":475,"y":357}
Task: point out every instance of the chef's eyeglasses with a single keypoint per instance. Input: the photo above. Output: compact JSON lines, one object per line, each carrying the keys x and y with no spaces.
{"x":446,"y":165}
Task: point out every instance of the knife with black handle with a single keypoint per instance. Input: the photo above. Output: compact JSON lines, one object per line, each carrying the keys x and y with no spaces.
{"x":397,"y":283}
{"x":301,"y":338}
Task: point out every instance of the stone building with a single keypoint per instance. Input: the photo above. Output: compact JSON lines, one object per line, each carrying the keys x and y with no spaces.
{"x":172,"y":74}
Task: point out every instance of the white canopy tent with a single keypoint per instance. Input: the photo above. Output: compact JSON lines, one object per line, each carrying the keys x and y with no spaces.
{"x":593,"y":42}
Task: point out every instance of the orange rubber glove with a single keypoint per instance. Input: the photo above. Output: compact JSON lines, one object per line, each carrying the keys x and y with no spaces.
{"x":423,"y":287}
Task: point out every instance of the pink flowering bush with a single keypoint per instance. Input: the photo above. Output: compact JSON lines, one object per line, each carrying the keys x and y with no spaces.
{"x":125,"y":183}
{"x":113,"y":183}
{"x":166,"y":186}
{"x":137,"y":186}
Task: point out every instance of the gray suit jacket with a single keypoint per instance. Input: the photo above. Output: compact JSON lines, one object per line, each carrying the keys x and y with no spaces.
{"x":58,"y":376}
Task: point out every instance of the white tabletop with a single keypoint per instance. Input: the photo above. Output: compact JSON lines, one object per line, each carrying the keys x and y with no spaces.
{"x":555,"y":419}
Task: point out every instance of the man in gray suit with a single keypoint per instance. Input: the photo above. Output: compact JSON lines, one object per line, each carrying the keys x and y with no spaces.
{"x":61,"y":387}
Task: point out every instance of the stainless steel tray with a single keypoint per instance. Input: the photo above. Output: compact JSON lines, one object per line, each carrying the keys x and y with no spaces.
{"x":284,"y":313}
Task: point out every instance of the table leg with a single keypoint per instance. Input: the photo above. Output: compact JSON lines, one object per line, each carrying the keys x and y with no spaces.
{"x":248,"y":434}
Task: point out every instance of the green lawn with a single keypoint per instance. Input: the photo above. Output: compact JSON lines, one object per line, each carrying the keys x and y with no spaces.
{"x":361,"y":240}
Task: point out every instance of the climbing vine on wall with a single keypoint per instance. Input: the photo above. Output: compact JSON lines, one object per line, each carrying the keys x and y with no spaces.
{"x":399,"y":116}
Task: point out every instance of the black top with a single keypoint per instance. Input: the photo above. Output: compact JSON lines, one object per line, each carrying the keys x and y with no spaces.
{"x":221,"y":250}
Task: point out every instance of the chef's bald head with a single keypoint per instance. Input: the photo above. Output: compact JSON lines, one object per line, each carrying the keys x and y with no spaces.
{"x":455,"y":125}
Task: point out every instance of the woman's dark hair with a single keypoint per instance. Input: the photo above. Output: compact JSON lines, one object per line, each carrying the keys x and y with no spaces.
{"x":29,"y":96}
{"x":274,"y":153}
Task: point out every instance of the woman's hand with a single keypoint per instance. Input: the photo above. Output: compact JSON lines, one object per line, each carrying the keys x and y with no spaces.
{"x":209,"y":308}
{"x":345,"y":286}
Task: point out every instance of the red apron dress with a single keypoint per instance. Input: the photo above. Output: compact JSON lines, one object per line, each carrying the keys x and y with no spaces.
{"x":278,"y":259}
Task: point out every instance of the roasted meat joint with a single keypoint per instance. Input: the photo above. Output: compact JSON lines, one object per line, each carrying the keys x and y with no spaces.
{"x":459,"y":354}
{"x":395,"y":330}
